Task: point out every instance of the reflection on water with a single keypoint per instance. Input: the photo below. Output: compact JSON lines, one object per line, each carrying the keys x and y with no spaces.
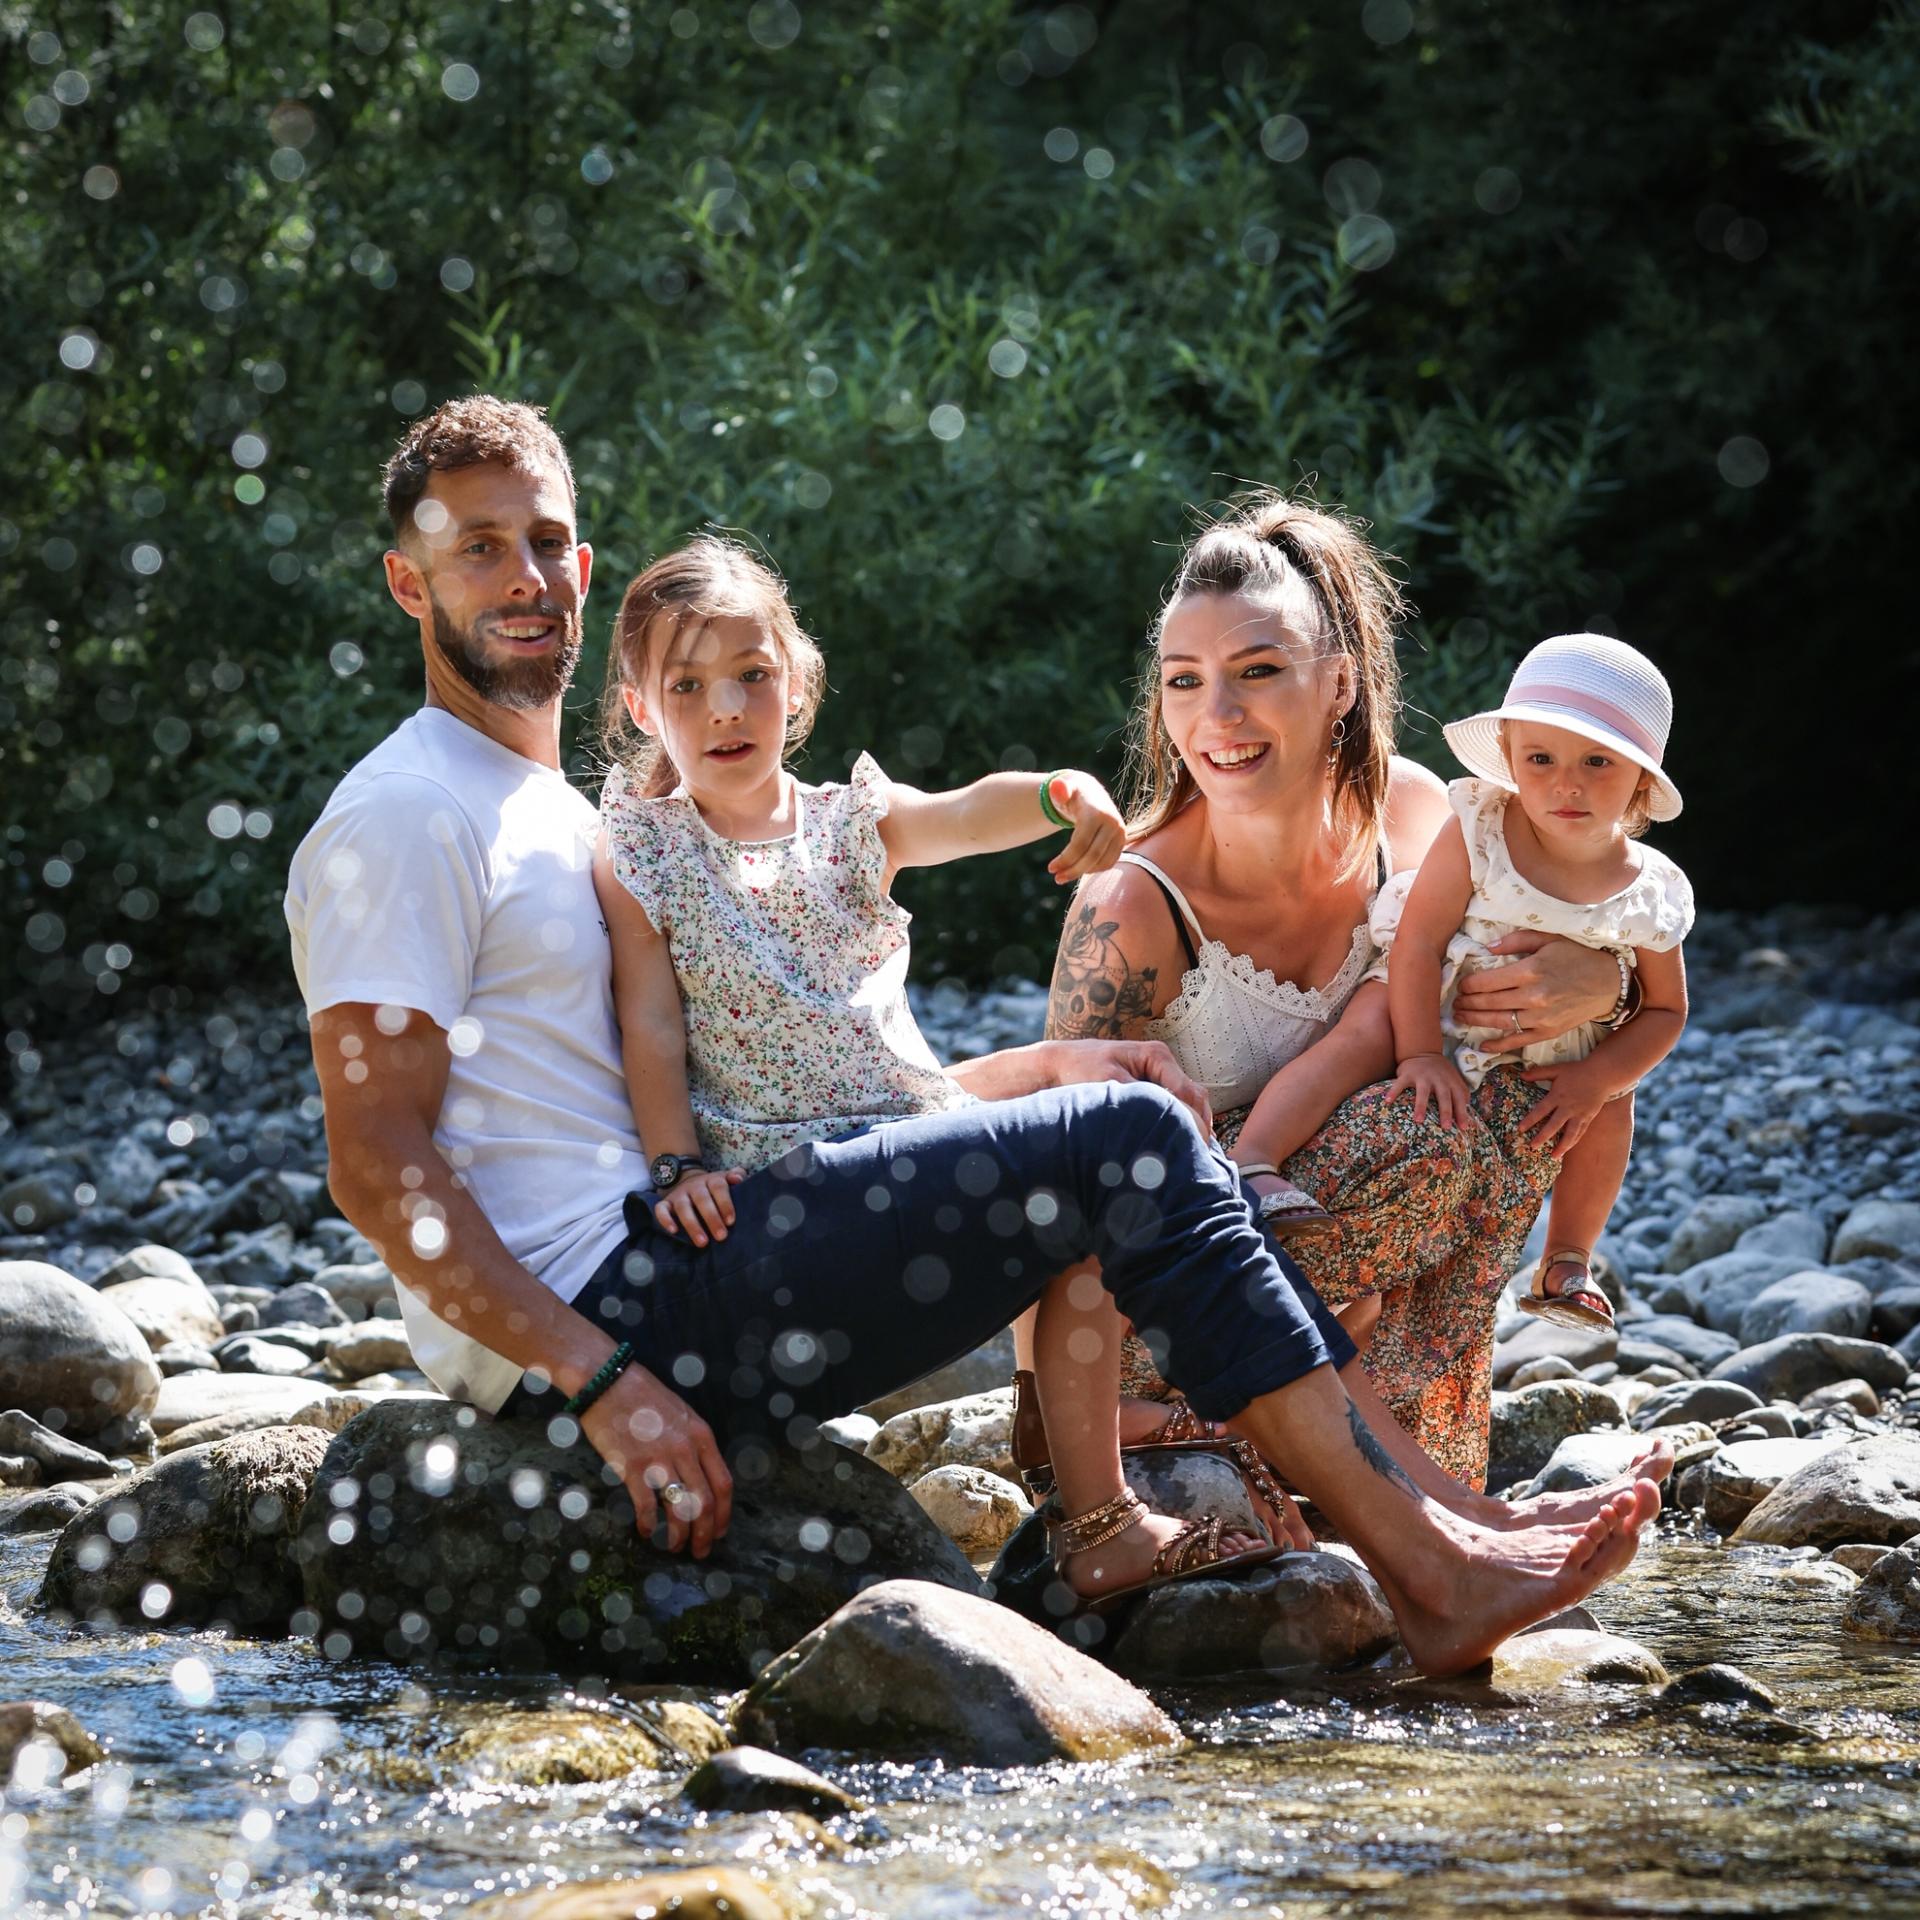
{"x":304,"y":1787}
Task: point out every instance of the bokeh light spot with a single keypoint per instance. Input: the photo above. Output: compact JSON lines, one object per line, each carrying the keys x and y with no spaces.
{"x":459,"y":81}
{"x":1497,"y":190}
{"x":774,"y":23}
{"x":1365,"y":242}
{"x":1744,"y":462}
{"x":1284,"y":138}
{"x":204,"y":31}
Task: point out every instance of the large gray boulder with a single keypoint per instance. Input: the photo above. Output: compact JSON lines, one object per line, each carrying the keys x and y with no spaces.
{"x":202,"y":1537}
{"x":72,"y":1360}
{"x":1740,"y":1476}
{"x":1886,"y":1603}
{"x":1714,"y":1225}
{"x":1790,"y":1367}
{"x":1528,"y":1425}
{"x":168,"y":1312}
{"x":907,"y":1667}
{"x":186,"y":1399}
{"x":435,"y":1533}
{"x":1890,"y":1228}
{"x":1866,"y":1492}
{"x":1719,"y":1291}
{"x":1689,"y":1400}
{"x":976,"y":1510}
{"x":1806,"y":1303}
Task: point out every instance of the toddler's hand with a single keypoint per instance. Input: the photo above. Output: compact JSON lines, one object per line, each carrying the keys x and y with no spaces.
{"x":1099,"y":833}
{"x":701,"y":1203}
{"x":1432,"y":1077}
{"x":1574,"y":1096}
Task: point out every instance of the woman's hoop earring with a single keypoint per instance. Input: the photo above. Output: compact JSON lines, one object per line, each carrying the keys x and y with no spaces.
{"x":1339,"y":734}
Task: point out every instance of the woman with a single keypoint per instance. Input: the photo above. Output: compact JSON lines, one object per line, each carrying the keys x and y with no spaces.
{"x":1268,"y":809}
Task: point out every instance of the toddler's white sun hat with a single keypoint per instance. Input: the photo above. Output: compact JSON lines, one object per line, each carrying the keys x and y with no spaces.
{"x":1591,"y":685}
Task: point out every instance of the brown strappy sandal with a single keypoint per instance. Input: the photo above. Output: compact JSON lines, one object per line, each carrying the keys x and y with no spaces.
{"x":1579,"y":1302}
{"x":1193,"y":1553}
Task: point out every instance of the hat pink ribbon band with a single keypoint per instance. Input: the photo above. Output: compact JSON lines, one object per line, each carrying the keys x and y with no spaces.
{"x":1623,"y":723}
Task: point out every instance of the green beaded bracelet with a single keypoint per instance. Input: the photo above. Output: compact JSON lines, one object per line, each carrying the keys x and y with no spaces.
{"x":611,"y":1368}
{"x":1047,"y":807}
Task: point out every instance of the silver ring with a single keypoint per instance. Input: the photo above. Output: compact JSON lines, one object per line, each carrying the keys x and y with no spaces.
{"x":673,"y":1493}
{"x":1514,"y":1016}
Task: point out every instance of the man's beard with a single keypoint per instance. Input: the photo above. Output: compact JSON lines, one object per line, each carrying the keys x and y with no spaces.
{"x":520,"y":685}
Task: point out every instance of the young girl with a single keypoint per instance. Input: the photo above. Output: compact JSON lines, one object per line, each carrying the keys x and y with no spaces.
{"x":759,"y":959}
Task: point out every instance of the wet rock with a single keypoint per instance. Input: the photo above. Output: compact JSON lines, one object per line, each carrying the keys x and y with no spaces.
{"x":41,"y":1723}
{"x":1857,"y":1556}
{"x":550,"y":1747}
{"x":169,"y":1312}
{"x":193,"y":1397}
{"x":41,"y":1509}
{"x":1890,"y":1228}
{"x":57,"y":1457}
{"x":752,"y":1780}
{"x":303,"y":1304}
{"x":203,"y":1537}
{"x":1315,"y":1612}
{"x":1794,"y":1364}
{"x":985,"y":1370}
{"x":438,"y":1534}
{"x":1718,"y":1684}
{"x":693,"y":1893}
{"x":1689,"y":1400}
{"x":1806,"y":1303}
{"x":1578,"y":1346}
{"x":1798,"y":1236}
{"x":976,"y":1510}
{"x":72,"y":1360}
{"x":1868,"y":1490}
{"x":1528,"y":1425}
{"x":924,"y":1670}
{"x":1740,"y":1476}
{"x":1530,"y":1664}
{"x":1854,"y":1394}
{"x":127,"y":1174}
{"x":371,"y":1347}
{"x":1713,"y":1225}
{"x":974,"y":1432}
{"x":16,"y":1470}
{"x":1886,"y":1603}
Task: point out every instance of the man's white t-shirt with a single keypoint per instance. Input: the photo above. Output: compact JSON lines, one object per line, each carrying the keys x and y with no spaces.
{"x":452,"y":876}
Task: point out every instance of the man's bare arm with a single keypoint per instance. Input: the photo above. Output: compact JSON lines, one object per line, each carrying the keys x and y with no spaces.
{"x":383,"y":1075}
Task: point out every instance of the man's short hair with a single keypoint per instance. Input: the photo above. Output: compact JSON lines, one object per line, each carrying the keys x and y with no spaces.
{"x":476,"y":431}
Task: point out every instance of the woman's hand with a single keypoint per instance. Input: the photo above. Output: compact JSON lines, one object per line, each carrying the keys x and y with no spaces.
{"x":1575,"y":1095}
{"x":1433,"y":1078}
{"x":1099,"y":833}
{"x":701,"y":1202}
{"x":666,"y":1457}
{"x":1552,"y":984}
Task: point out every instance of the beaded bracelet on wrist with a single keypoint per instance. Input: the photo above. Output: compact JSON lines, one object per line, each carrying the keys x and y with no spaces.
{"x":615,"y":1364}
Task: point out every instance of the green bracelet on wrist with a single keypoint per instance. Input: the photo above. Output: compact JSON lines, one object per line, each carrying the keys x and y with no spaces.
{"x":1047,"y":807}
{"x":611,"y":1368}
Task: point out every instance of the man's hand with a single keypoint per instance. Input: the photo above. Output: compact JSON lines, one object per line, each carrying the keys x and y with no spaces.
{"x":1553,"y":984}
{"x":1575,"y":1094}
{"x":667,"y":1459}
{"x":1078,"y":1061}
{"x":701,"y":1202}
{"x":1099,"y":833}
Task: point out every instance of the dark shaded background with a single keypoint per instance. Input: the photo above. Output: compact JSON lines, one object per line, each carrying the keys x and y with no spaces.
{"x":1602,"y":316}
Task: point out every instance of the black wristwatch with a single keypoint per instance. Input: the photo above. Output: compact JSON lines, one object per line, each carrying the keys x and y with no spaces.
{"x":669,"y":1169}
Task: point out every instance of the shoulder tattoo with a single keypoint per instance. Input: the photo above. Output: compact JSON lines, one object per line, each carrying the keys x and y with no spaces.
{"x":1097,"y":993}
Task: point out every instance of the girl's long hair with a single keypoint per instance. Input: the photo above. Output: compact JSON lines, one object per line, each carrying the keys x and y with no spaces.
{"x":1271,"y":547}
{"x":710,"y":578}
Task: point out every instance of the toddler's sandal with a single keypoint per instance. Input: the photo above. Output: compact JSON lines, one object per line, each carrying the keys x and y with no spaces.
{"x":1290,"y":1213}
{"x":1579,"y":1302}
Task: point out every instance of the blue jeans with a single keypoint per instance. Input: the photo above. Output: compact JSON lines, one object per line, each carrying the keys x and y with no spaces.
{"x":855,"y":1266}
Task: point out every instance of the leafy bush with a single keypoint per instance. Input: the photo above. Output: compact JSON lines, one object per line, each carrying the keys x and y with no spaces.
{"x":956,"y":308}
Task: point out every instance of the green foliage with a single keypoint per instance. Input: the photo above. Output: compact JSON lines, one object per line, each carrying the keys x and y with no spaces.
{"x":956,"y":308}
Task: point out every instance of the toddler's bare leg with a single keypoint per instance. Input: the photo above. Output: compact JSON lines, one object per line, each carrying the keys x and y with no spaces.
{"x":1589,"y":1181}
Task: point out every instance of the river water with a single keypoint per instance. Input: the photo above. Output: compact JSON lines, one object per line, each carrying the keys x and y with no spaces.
{"x":259,"y":1778}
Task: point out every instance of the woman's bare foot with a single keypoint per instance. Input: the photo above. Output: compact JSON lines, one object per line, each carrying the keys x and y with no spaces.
{"x":1486,"y":1588}
{"x":1651,"y":1464}
{"x":1126,"y":1559}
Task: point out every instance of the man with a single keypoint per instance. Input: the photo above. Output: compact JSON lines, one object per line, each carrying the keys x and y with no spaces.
{"x":457,"y":976}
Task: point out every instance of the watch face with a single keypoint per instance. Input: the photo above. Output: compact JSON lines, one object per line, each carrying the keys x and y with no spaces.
{"x":665,"y":1170}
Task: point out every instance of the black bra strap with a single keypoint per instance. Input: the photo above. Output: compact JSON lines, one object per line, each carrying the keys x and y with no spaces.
{"x":1179,"y":918}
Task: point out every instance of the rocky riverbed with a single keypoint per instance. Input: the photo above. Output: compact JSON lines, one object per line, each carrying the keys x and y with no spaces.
{"x":228,"y":1486}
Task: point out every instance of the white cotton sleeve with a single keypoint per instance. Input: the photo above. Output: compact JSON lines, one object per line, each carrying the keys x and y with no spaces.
{"x":386,"y":899}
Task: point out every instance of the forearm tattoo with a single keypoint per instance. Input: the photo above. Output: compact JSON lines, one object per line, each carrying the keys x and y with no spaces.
{"x":1375,"y":1455}
{"x":1097,"y":994}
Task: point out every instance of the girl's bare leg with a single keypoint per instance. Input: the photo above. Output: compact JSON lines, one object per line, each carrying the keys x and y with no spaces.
{"x":1359,"y":1317}
{"x":1589,"y":1184}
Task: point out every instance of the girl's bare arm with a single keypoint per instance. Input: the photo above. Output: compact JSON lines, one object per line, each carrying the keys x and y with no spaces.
{"x":1002,"y":811}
